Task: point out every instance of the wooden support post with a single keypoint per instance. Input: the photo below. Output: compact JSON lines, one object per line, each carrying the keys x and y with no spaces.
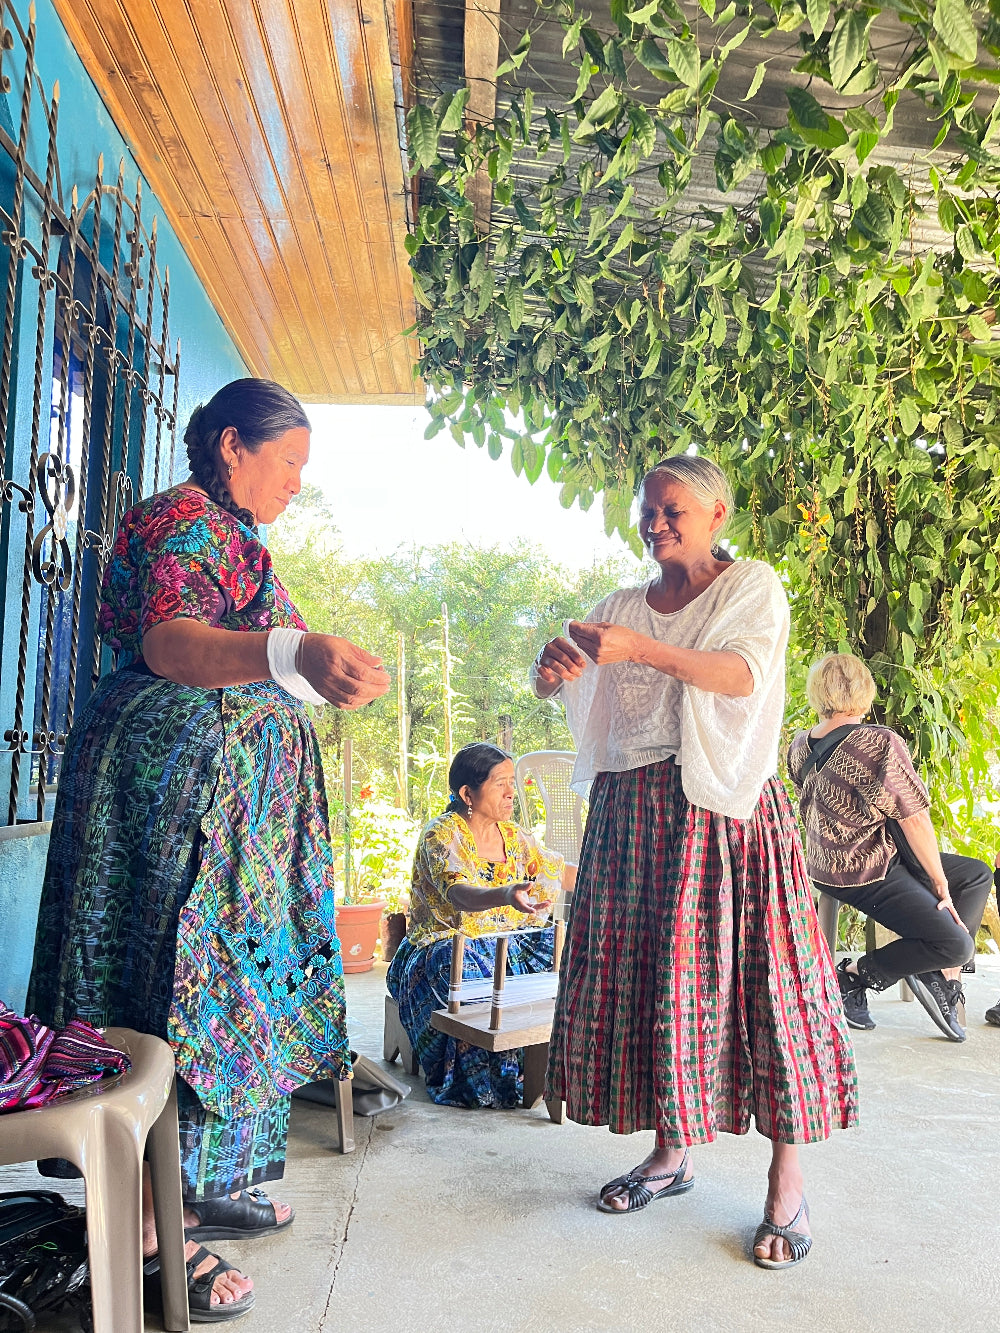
{"x":455,"y":980}
{"x":446,"y":679}
{"x":557,"y":947}
{"x":499,"y":977}
{"x":533,"y":1065}
{"x":348,"y":794}
{"x":482,"y":55}
{"x":403,"y":784}
{"x":505,"y":735}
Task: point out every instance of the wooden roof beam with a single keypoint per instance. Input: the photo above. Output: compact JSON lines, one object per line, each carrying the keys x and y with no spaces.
{"x":482,"y":56}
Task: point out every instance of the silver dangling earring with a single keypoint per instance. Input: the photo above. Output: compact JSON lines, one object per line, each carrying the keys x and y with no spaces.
{"x":232,"y":469}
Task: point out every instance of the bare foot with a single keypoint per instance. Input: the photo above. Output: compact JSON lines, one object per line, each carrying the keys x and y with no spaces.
{"x":227,"y":1287}
{"x":661,"y":1161}
{"x":784,"y":1197}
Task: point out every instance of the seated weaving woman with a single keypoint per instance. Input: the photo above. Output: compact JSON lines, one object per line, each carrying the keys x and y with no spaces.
{"x":476,"y":872}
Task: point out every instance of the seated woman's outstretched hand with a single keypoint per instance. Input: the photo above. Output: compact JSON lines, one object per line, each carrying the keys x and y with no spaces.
{"x":341,"y":671}
{"x":520,"y":898}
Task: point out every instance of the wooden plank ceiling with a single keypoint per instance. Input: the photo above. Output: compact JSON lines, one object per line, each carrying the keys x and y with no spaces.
{"x":270,"y":132}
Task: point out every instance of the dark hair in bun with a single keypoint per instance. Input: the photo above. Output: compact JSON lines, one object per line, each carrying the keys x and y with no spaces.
{"x":259,"y":410}
{"x":471,"y":767}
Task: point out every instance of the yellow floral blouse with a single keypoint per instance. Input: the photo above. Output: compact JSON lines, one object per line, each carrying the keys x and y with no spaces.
{"x":447,"y":855}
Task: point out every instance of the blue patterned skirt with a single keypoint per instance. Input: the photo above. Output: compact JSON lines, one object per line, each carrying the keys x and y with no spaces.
{"x":455,"y":1073}
{"x":188,"y":894}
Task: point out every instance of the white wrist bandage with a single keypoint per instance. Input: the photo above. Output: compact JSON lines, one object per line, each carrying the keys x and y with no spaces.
{"x":282,"y":655}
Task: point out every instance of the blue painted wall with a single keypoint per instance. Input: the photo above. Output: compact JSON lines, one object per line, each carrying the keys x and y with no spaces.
{"x":208,"y":359}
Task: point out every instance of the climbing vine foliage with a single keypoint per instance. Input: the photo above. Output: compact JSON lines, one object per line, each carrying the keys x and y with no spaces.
{"x":690,"y":250}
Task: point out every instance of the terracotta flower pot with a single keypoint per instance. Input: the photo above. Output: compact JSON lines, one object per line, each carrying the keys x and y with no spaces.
{"x":393,"y":931}
{"x":357,"y":930}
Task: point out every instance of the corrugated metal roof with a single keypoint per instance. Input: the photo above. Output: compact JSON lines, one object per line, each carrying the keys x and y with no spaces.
{"x":552,"y":78}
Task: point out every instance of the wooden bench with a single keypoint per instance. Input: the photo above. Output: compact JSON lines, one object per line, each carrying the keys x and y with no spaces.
{"x":504,"y":1013}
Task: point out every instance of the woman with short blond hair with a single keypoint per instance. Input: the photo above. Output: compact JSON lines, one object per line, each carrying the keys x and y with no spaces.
{"x":870,"y":842}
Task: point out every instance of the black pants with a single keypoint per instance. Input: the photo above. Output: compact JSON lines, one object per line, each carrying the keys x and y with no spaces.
{"x":929,"y":939}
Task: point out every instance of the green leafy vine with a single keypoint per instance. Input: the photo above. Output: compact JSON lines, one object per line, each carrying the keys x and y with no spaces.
{"x":800,"y":299}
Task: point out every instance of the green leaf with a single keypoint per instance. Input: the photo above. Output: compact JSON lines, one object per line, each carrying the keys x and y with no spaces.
{"x":653,"y":360}
{"x":909,"y":415}
{"x":901,"y":535}
{"x":514,"y":297}
{"x":517,"y":56}
{"x":644,"y":14}
{"x":873,"y":219}
{"x":650,"y":55}
{"x":624,"y":239}
{"x":423,"y":135}
{"x":643,"y":128}
{"x":953,"y":22}
{"x":979,"y":328}
{"x":755,"y":82}
{"x":685,"y":59}
{"x":601,"y":112}
{"x":817,"y":12}
{"x":452,"y":118}
{"x":847,"y":47}
{"x":807,"y":111}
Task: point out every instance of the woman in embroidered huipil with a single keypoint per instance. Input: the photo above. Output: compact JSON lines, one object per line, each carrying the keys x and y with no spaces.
{"x":477,"y":872}
{"x":696,"y":992}
{"x":189,"y":885}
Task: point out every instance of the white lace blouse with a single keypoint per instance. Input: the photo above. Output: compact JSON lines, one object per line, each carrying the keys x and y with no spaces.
{"x":624,"y":715}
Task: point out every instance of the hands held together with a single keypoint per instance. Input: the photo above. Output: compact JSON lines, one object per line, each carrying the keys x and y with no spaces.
{"x":602,"y":642}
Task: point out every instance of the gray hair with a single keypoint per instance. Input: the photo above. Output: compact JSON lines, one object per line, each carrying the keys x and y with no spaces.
{"x":704,"y":479}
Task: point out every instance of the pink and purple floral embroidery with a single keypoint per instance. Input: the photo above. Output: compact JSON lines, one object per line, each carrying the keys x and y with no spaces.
{"x":180,"y":555}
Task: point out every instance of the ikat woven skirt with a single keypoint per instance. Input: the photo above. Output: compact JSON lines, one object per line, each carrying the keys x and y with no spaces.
{"x":697,"y":993}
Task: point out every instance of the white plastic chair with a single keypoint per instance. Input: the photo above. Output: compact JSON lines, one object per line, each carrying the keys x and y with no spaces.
{"x":550,"y":772}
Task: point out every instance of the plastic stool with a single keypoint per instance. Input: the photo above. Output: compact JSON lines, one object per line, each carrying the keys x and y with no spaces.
{"x":103,"y":1130}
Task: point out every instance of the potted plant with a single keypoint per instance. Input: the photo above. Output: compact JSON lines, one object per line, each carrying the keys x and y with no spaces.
{"x":379,"y":858}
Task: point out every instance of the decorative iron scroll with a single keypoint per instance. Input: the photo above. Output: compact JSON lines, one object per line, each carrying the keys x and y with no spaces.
{"x":104,"y":372}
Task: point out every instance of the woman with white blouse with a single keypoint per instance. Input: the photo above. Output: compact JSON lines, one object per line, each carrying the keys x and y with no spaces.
{"x":696,"y":990}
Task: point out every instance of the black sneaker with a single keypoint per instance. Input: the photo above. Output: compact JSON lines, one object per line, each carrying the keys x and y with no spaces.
{"x":993,"y":1015}
{"x":941,"y":999}
{"x":855,"y":999}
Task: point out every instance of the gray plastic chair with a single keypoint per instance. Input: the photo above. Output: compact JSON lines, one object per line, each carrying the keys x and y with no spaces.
{"x":104,"y":1130}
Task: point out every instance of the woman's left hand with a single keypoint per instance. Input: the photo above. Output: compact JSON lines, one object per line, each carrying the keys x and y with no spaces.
{"x":940,"y":888}
{"x":604,"y":642}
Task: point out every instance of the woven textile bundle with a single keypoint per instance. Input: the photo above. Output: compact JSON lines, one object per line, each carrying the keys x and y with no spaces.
{"x":39,"y":1063}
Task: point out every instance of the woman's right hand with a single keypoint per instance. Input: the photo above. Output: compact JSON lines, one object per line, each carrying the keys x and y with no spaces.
{"x":341,"y":671}
{"x":559,"y":660}
{"x":519,"y":897}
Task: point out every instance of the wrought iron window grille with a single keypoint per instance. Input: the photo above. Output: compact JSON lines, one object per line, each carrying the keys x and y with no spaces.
{"x":88,"y":417}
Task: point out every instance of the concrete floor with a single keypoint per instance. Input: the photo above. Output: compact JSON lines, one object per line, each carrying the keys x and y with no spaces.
{"x":483,"y":1222}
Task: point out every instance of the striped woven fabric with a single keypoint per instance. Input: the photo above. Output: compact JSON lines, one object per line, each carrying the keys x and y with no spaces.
{"x":697,"y":992}
{"x":39,"y":1063}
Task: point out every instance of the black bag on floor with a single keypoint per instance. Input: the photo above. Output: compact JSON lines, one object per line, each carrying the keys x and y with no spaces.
{"x":373,"y":1089}
{"x":43,"y":1260}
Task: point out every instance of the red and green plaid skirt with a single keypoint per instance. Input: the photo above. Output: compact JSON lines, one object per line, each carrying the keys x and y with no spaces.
{"x":696,"y":989}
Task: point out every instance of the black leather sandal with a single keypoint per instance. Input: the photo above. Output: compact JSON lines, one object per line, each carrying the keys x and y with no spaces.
{"x":252,"y":1214}
{"x":200,"y":1307}
{"x":799,"y":1242}
{"x":639,"y":1193}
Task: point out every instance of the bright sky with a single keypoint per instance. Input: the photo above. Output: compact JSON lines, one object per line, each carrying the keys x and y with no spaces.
{"x":388,"y":486}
